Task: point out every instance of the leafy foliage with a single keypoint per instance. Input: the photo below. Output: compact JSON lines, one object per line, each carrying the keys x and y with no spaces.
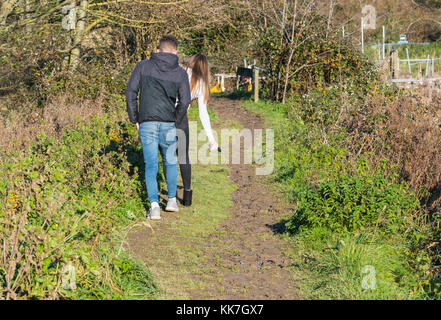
{"x":65,"y":203}
{"x":318,"y":59}
{"x":352,"y":203}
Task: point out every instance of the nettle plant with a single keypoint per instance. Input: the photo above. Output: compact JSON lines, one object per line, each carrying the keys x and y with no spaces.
{"x":356,"y":201}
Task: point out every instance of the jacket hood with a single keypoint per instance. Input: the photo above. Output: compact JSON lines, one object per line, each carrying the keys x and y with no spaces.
{"x":165,"y":61}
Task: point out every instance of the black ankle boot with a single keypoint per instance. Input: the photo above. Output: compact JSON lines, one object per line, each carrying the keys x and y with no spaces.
{"x":188,"y":195}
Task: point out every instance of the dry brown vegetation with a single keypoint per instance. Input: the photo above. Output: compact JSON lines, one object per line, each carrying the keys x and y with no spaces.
{"x":17,"y":132}
{"x":406,"y":130}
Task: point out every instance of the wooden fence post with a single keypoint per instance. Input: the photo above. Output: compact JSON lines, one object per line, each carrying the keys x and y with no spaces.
{"x":395,"y":64}
{"x":237,"y":80}
{"x":256,"y":85}
{"x":379,"y":53}
{"x":427,"y":65}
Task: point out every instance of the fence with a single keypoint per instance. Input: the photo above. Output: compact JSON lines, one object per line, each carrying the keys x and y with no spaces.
{"x":409,"y":69}
{"x":424,"y":67}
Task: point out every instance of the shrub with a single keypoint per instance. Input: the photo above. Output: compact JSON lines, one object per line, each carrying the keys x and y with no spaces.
{"x":318,"y":60}
{"x":64,"y":202}
{"x":354,"y":202}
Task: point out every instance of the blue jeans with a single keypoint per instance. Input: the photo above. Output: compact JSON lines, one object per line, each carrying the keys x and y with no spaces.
{"x":163,"y":134}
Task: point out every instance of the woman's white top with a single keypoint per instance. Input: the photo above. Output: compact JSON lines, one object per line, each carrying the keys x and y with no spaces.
{"x":199,"y":93}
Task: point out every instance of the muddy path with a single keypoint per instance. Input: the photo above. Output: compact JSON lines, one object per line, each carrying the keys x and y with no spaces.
{"x":244,"y":258}
{"x":261,"y":270}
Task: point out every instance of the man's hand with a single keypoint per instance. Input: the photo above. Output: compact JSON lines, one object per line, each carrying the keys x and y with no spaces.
{"x":137,"y":126}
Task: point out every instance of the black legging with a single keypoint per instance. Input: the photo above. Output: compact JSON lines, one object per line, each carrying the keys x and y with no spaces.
{"x":184,"y":159}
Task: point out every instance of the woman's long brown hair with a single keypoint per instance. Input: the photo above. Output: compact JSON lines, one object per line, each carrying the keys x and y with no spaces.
{"x":200,"y":70}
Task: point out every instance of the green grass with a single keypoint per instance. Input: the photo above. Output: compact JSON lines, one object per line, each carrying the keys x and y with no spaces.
{"x":334,"y":267}
{"x":174,"y":253}
{"x":416,"y":51}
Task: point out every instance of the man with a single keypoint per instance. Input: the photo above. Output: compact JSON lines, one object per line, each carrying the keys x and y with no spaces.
{"x":164,"y":96}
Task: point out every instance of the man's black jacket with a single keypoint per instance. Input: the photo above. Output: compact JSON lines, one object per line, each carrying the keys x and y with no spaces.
{"x":161,"y":82}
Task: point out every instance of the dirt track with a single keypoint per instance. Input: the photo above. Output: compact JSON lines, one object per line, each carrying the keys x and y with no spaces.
{"x":261,"y":268}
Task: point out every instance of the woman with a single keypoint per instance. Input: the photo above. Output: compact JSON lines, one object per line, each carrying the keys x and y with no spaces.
{"x":198,"y":71}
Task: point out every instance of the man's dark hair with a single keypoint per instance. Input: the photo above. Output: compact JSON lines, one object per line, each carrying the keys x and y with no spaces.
{"x":168,"y":42}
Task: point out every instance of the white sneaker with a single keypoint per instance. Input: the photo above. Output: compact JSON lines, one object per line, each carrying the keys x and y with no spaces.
{"x":172,"y":205}
{"x":154,"y":213}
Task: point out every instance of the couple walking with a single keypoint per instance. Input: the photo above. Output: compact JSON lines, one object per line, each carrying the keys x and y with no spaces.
{"x":165,"y":91}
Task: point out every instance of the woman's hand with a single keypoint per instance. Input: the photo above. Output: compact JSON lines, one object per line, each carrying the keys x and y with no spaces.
{"x":214,"y":146}
{"x":137,"y":126}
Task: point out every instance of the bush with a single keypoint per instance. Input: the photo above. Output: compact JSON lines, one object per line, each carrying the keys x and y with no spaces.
{"x":65,"y":203}
{"x":318,"y":60}
{"x":354,"y":202}
{"x":404,"y":129}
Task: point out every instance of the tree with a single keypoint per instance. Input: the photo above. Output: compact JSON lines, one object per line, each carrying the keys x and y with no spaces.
{"x":6,"y":8}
